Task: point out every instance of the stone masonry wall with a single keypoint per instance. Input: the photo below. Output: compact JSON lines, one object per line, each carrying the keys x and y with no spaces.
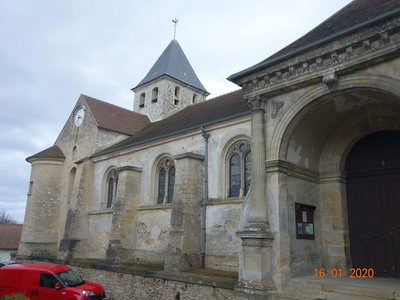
{"x":124,"y":286}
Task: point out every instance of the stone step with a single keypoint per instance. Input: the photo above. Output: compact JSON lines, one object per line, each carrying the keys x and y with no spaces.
{"x":337,"y":289}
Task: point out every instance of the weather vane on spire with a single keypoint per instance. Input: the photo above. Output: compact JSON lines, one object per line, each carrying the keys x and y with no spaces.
{"x":175,"y":21}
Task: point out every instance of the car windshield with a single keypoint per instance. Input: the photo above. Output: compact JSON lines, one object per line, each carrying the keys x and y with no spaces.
{"x":70,"y":278}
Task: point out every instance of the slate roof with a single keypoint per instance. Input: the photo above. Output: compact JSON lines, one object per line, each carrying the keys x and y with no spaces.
{"x":115,"y":118}
{"x":173,"y":62}
{"x":10,"y":236}
{"x":354,"y":16}
{"x":209,"y":112}
{"x":53,"y":153}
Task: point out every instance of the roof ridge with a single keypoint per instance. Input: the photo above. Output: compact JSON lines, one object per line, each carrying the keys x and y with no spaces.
{"x":219,"y":109}
{"x":227,"y":93}
{"x":108,"y":103}
{"x":194,"y":105}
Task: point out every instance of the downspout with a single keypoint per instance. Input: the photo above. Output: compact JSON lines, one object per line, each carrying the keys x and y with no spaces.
{"x":205,"y":199}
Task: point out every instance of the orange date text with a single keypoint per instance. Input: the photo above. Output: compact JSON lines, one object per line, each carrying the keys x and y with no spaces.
{"x":338,"y":273}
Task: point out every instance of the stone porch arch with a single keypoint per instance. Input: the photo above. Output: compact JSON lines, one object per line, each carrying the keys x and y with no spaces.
{"x":332,"y":178}
{"x":312,"y":98}
{"x":338,"y":141}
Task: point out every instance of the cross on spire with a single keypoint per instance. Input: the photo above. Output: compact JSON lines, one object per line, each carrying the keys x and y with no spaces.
{"x":175,"y":21}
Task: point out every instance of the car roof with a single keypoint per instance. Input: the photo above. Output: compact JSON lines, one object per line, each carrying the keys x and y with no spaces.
{"x":7,"y":262}
{"x":38,"y":267}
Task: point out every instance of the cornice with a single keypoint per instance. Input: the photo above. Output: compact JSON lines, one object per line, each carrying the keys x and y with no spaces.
{"x":291,"y":169}
{"x":328,"y":62}
{"x":129,"y":168}
{"x":189,"y":155}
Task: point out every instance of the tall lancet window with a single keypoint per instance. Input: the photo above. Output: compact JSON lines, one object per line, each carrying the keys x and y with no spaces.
{"x":154,"y":95}
{"x":111,"y":187}
{"x":239,"y":166}
{"x":235,"y":182}
{"x":166,"y":181}
{"x":142,"y":98}
{"x":177,"y":95}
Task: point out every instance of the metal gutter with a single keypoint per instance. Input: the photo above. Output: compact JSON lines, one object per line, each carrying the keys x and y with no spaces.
{"x":205,"y":199}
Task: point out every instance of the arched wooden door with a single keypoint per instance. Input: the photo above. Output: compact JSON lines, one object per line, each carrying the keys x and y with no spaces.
{"x":373,"y":202}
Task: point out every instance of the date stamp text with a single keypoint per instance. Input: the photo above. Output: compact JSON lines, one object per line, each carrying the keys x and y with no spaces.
{"x":338,"y":273}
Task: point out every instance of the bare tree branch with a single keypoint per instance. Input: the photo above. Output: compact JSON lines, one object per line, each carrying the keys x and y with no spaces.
{"x":5,"y":218}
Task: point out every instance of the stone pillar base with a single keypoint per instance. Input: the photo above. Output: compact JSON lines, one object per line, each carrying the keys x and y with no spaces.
{"x":181,"y":262}
{"x":114,"y":251}
{"x":247,"y":292}
{"x":183,"y":251}
{"x":255,"y":263}
{"x":66,"y":248}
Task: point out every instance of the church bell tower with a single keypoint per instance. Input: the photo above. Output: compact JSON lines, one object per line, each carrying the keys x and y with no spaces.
{"x":170,"y":86}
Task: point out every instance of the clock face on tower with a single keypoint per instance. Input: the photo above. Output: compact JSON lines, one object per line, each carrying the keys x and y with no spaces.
{"x":79,"y":115}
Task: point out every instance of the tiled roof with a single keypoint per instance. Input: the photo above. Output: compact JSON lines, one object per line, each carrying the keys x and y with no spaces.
{"x":10,"y":235}
{"x":115,"y":118}
{"x":354,"y":16}
{"x":216,"y":110}
{"x":54,"y":153}
{"x":173,"y":62}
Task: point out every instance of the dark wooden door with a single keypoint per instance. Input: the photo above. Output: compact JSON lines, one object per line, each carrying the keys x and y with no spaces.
{"x":373,"y":201}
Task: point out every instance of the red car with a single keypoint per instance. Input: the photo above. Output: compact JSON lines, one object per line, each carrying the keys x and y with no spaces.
{"x":47,"y":282}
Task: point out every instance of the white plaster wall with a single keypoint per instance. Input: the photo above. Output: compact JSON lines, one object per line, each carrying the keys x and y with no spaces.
{"x":147,"y":157}
{"x":222,"y":243}
{"x":152,"y":229}
{"x":153,"y":221}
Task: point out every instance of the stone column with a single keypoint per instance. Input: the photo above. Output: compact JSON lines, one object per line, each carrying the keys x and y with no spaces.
{"x":334,"y":222}
{"x":127,"y":200}
{"x":258,"y":204}
{"x":255,"y":259}
{"x":183,"y":249}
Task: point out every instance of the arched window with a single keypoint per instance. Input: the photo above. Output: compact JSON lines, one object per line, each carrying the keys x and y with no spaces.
{"x":141,"y":99}
{"x":177,"y":95}
{"x":171,"y":184}
{"x":166,"y":181}
{"x":235,"y":182}
{"x":154,"y":95}
{"x":239,"y":166}
{"x":111,"y":187}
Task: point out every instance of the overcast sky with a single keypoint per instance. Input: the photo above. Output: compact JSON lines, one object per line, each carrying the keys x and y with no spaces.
{"x":53,"y":51}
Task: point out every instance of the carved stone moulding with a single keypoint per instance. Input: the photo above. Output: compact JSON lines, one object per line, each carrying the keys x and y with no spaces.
{"x":360,"y":46}
{"x":331,"y":80}
{"x":256,"y":102}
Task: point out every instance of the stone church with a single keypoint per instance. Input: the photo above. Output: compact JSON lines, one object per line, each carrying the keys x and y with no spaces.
{"x":294,"y":175}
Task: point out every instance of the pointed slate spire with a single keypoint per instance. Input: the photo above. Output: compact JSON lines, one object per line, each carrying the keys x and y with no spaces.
{"x":173,"y":62}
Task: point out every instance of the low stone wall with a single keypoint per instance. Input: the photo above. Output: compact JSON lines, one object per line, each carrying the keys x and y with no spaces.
{"x":141,"y":283}
{"x":128,"y":287}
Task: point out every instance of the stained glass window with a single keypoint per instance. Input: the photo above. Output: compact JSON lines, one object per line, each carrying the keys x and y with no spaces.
{"x":161,"y":186}
{"x":247,"y":169}
{"x":234,"y":176}
{"x":171,"y":184}
{"x":111,"y":187}
{"x":166,"y":181}
{"x":239,"y":169}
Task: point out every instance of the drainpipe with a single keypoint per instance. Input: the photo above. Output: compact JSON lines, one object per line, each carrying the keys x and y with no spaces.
{"x":205,"y":198}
